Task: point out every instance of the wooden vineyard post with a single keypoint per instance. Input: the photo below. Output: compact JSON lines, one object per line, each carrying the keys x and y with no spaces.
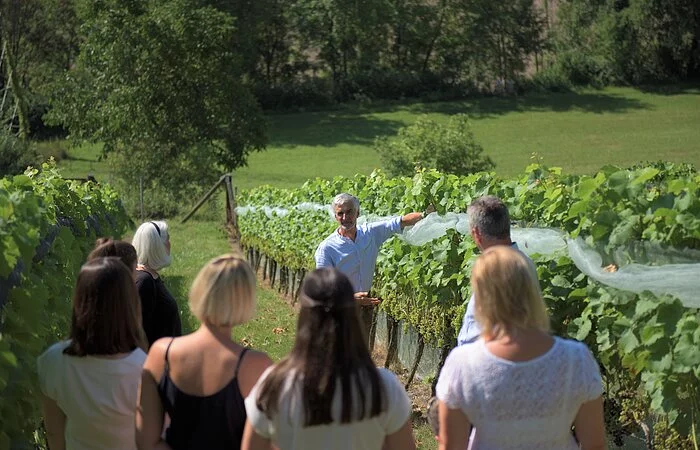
{"x":419,"y":355}
{"x":392,"y":329}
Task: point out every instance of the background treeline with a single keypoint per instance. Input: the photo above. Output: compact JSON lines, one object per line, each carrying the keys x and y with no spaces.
{"x":295,"y":53}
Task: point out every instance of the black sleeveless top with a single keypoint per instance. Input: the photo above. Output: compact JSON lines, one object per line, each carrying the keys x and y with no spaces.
{"x":211,"y":422}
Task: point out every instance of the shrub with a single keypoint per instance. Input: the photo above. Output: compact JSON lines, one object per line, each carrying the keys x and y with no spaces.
{"x":15,"y":154}
{"x":450,"y":148}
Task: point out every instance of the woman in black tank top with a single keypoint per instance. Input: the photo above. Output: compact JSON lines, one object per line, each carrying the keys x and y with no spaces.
{"x":200,"y":380}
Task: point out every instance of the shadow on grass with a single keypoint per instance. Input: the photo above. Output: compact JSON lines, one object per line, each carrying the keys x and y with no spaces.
{"x":672,"y":89}
{"x":489,"y":107}
{"x":360,"y":126}
{"x":330,"y":128}
{"x":70,"y":157}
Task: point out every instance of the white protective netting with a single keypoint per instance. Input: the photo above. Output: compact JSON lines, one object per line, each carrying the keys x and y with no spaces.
{"x":674,"y":272}
{"x":679,"y":280}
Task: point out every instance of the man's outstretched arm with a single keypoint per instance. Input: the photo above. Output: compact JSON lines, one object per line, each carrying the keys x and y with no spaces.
{"x":411,"y":219}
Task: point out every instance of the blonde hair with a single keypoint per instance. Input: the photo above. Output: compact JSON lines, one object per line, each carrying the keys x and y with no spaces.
{"x":507,"y":293}
{"x":223,"y":293}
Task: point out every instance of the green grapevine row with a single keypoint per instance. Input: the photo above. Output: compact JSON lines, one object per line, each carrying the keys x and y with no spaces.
{"x":649,"y":347}
{"x":47,"y":227}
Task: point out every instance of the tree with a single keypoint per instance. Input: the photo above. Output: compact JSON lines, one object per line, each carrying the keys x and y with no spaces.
{"x":160,"y":84}
{"x":632,"y":41}
{"x":13,"y":24}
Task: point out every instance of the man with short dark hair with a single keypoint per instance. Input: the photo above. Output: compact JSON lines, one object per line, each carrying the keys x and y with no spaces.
{"x":489,"y":224}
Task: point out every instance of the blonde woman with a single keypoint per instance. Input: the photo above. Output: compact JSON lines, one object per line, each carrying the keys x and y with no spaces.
{"x":519,"y":387}
{"x":200,"y":380}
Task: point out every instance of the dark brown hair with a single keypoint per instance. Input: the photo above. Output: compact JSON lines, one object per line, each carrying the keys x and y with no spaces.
{"x":106,"y":310}
{"x":329,"y":353}
{"x":108,"y":247}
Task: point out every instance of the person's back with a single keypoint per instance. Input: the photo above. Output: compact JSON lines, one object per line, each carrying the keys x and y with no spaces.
{"x":200,"y":380}
{"x":97,"y":395}
{"x":519,"y":387}
{"x":367,"y":434}
{"x":521,"y":404}
{"x":327,"y":393}
{"x":201,"y":390}
{"x":89,"y":383}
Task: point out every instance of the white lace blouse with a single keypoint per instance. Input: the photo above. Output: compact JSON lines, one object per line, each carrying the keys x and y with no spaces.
{"x":520,"y":405}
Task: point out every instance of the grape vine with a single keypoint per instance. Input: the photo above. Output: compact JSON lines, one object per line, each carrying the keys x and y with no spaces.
{"x":47,"y":227}
{"x":648,"y":346}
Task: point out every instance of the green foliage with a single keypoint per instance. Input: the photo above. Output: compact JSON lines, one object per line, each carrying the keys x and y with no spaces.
{"x":15,"y":154}
{"x":48,"y":225}
{"x":648,"y":346}
{"x":637,"y":41}
{"x":449,"y":148}
{"x":158,"y":84}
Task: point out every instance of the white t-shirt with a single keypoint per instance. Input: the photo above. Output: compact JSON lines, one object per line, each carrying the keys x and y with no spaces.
{"x":520,"y":405}
{"x":97,"y":395}
{"x":289,"y":433}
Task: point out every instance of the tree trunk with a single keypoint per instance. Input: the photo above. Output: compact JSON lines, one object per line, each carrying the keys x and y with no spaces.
{"x":302,"y":273}
{"x":438,"y":30}
{"x":447,"y":346}
{"x":17,"y":91}
{"x":373,"y":331}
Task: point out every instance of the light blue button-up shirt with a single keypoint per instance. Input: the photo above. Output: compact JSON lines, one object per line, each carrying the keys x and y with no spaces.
{"x":471,"y":330}
{"x":357,"y":259}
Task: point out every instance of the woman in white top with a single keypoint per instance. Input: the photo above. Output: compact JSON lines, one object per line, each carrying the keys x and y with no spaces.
{"x":89,"y":383}
{"x":519,"y":387}
{"x":328,"y":393}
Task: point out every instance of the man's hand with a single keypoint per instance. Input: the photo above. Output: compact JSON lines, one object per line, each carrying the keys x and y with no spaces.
{"x":363,"y":299}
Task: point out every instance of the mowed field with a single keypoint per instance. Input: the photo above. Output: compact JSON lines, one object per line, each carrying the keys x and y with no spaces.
{"x":578,"y":131}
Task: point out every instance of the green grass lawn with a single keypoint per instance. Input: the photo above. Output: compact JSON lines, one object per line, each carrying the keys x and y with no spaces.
{"x":579,"y":131}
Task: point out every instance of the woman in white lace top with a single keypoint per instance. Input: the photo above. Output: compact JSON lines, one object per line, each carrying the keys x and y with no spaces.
{"x":519,"y":387}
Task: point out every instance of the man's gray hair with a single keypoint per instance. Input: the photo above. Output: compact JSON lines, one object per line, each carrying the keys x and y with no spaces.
{"x":344,"y":199}
{"x":489,"y":215}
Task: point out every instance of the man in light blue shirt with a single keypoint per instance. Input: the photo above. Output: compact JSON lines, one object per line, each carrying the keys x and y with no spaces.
{"x":353,"y":250}
{"x":490,"y":225}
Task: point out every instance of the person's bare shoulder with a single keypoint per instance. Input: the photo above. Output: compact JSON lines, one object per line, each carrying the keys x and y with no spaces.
{"x":253,"y":365}
{"x":258,"y":361}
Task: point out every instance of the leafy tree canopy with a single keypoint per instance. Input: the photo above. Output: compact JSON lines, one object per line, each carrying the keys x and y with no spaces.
{"x":159,"y":83}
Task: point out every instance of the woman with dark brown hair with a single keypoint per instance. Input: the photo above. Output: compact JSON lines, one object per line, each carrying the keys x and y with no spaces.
{"x":123,"y":250}
{"x":328,"y":393}
{"x":90,"y":382}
